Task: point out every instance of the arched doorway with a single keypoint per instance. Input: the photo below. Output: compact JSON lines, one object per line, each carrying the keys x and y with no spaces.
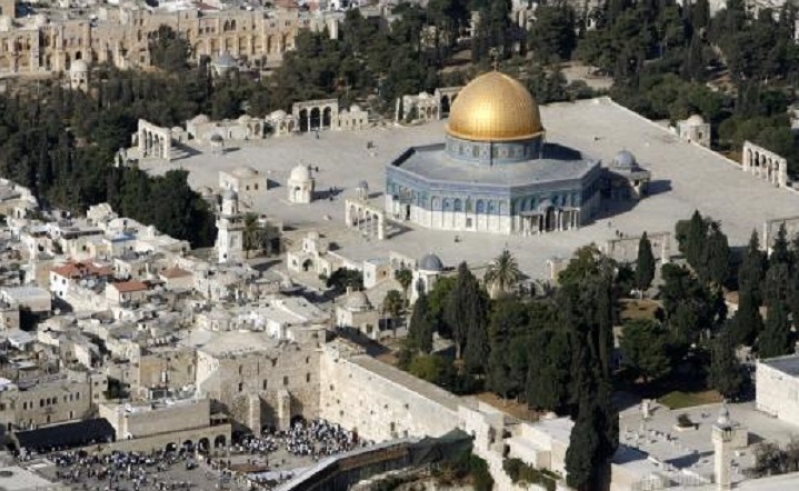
{"x":315,"y":119}
{"x":171,"y":447}
{"x":307,"y":265}
{"x":203,"y":445}
{"x":304,"y":120}
{"x":220,"y":441}
{"x":326,"y":117}
{"x":445,"y":105}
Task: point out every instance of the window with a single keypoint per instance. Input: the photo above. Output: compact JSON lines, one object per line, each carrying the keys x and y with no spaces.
{"x":285,"y":380}
{"x":264,"y":385}
{"x":241,"y":368}
{"x":241,"y":386}
{"x":307,"y":377}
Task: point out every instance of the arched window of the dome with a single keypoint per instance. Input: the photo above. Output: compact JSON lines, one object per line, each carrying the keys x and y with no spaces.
{"x":492,"y":207}
{"x":480,"y":206}
{"x":435,"y":204}
{"x":469,"y":205}
{"x":458,"y":205}
{"x":447,"y":204}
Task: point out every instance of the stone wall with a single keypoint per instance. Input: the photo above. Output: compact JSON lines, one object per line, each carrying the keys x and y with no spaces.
{"x":380,"y":402}
{"x":170,"y":369}
{"x":215,"y":435}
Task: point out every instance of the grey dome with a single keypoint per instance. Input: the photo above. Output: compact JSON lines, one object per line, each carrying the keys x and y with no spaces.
{"x":431,"y":262}
{"x":625,"y":160}
{"x":217,"y":138}
{"x":358,"y":301}
{"x":363,"y":185}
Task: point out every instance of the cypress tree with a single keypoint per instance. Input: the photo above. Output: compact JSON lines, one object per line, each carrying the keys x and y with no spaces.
{"x":752,"y":270}
{"x":420,"y":331}
{"x":645,"y":265}
{"x":747,"y":323}
{"x":776,"y":337}
{"x":466,"y":312}
{"x":726,"y":373}
{"x":583,"y":447}
{"x":779,"y":249}
{"x":717,"y":263}
{"x":695,"y":242}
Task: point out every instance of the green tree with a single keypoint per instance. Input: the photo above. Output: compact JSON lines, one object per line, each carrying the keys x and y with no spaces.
{"x":548,"y":377}
{"x":752,"y":270}
{"x":717,"y":261}
{"x":645,"y":265}
{"x":434,"y":369}
{"x":465,"y":312}
{"x":747,"y":323}
{"x":344,"y":278}
{"x":420,"y":331}
{"x":780,"y":253}
{"x":169,"y":51}
{"x":404,"y":277}
{"x":645,"y":348}
{"x":506,"y":371}
{"x":584,"y":444}
{"x":553,"y":36}
{"x":775,"y":340}
{"x":393,"y":305}
{"x":502,"y":274}
{"x":726,"y":374}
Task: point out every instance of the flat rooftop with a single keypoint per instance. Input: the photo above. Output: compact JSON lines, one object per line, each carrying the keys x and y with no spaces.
{"x":685,"y":177}
{"x":680,"y":452}
{"x":786,"y":364}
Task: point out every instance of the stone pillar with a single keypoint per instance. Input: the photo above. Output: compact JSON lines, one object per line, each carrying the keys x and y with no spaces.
{"x":254,"y":413}
{"x":283,"y":410}
{"x":782,"y":173}
{"x":381,"y":227}
{"x":168,"y":145}
{"x":142,"y":142}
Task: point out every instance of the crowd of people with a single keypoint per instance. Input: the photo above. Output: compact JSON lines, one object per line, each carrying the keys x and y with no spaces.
{"x":123,"y":470}
{"x":316,"y":439}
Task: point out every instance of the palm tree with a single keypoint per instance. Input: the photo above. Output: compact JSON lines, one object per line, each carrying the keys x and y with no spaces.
{"x":404,"y":277}
{"x":252,"y":232}
{"x":502,"y":274}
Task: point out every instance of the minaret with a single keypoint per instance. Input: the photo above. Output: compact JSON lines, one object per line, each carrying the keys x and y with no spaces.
{"x":723,"y":433}
{"x":230,"y":228}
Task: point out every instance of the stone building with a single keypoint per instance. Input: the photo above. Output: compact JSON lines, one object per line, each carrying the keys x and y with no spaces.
{"x":120,"y":35}
{"x":243,"y":180}
{"x":777,"y":387}
{"x":261,"y":380}
{"x":50,"y":398}
{"x":625,"y":179}
{"x":357,"y":312}
{"x":496,"y":172}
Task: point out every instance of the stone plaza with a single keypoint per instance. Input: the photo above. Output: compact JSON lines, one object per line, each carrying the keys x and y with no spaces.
{"x":685,"y":177}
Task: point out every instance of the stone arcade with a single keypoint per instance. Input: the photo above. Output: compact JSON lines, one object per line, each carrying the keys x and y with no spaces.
{"x":496,"y":173}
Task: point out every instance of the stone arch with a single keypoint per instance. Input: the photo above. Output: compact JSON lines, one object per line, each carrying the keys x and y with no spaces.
{"x":315,"y":119}
{"x":188,"y":445}
{"x":78,"y":55}
{"x":457,"y":205}
{"x":327,"y":117}
{"x":203,"y":445}
{"x":445,"y":104}
{"x":447,"y":204}
{"x":480,"y":207}
{"x":308,"y":265}
{"x":435,"y":203}
{"x":304,"y":120}
{"x":171,"y":447}
{"x":220,"y":441}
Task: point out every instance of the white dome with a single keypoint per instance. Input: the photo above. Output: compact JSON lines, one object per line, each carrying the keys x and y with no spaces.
{"x":79,"y":66}
{"x":244,"y":172}
{"x":244,"y":119}
{"x":625,"y":160}
{"x":355,"y":108}
{"x":300,"y":173}
{"x":279,"y":114}
{"x":695,"y":120}
{"x":200,"y":119}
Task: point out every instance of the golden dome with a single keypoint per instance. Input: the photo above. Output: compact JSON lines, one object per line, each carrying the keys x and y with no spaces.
{"x":494,"y":107}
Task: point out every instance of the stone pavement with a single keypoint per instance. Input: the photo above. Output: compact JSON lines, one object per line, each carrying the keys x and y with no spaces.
{"x":685,"y":177}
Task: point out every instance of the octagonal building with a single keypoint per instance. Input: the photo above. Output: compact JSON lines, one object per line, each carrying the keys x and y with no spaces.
{"x":495,"y":172}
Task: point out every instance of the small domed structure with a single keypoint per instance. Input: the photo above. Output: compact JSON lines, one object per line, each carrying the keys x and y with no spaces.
{"x":358,"y":301}
{"x":279,"y":114}
{"x":625,"y":160}
{"x":229,"y":194}
{"x":695,"y":120}
{"x":200,"y":119}
{"x":431,"y":262}
{"x":244,"y":119}
{"x":301,"y":185}
{"x":244,"y":172}
{"x":300,"y":173}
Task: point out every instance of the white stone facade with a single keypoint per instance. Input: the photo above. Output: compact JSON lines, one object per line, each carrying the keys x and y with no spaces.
{"x":777,"y":386}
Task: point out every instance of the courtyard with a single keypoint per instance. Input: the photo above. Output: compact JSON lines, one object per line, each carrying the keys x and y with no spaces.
{"x":685,"y":177}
